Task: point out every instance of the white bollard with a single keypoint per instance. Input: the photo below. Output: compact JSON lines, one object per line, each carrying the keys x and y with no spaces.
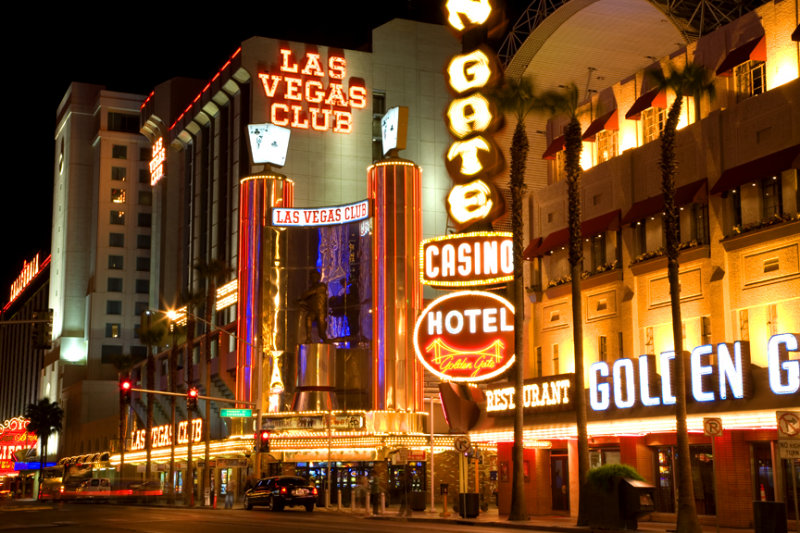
{"x":339,"y":500}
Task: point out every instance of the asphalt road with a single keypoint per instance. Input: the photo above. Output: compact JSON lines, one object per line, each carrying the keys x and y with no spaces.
{"x":90,"y":517}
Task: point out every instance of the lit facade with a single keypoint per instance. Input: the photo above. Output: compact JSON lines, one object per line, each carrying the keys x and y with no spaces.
{"x":737,"y":191}
{"x":100,"y":268}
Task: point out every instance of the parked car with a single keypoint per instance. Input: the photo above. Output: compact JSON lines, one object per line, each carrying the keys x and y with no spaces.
{"x":281,"y":491}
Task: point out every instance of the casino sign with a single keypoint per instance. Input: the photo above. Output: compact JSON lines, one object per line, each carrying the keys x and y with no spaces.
{"x":14,"y":437}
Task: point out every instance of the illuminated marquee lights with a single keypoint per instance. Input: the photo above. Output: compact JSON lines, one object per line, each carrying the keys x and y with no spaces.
{"x":29,"y":271}
{"x":157,"y":161}
{"x":162,"y":435}
{"x":302,"y":98}
{"x":466,"y":336}
{"x":13,"y":438}
{"x":473,"y":157}
{"x":320,"y":216}
{"x":730,"y":376}
{"x":227,"y":295}
{"x":549,"y":393}
{"x":467,"y":259}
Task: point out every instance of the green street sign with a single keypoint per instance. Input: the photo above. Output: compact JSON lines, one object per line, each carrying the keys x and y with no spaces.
{"x":236,"y":413}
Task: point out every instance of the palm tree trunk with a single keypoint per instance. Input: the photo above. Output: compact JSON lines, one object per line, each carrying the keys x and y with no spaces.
{"x":209,"y":314}
{"x":519,"y":151}
{"x":151,"y":377}
{"x":573,"y":146}
{"x":687,"y":512}
{"x":173,"y":387}
{"x":189,"y":482}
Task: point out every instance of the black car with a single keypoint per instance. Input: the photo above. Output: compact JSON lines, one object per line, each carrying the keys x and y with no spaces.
{"x":281,"y":491}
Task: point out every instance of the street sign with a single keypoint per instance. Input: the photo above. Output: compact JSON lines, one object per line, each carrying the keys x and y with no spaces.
{"x":789,"y":449}
{"x":788,"y":425}
{"x":236,"y":413}
{"x":461,"y":444}
{"x":712,"y":427}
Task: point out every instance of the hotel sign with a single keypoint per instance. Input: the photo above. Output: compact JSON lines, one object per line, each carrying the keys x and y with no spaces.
{"x":157,"y":161}
{"x":14,"y":437}
{"x":29,"y":271}
{"x":466,"y":336}
{"x":467,"y":259}
{"x":553,"y":393}
{"x":320,"y":216}
{"x":715,"y":373}
{"x":309,"y":92}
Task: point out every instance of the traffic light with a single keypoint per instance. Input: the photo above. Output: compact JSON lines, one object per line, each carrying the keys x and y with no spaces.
{"x":191,"y":398}
{"x":262,"y":441}
{"x":42,"y":330}
{"x":125,"y":386}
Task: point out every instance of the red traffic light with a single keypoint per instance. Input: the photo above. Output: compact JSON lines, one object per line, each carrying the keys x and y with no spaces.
{"x":125,"y":385}
{"x":265,"y":435}
{"x":192,"y":393}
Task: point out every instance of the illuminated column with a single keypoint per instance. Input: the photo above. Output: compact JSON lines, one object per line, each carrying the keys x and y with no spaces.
{"x":395,"y":187}
{"x":260,"y":257}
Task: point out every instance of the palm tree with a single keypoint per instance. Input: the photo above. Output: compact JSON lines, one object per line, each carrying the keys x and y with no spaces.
{"x":213,"y":272}
{"x":517,"y":96}
{"x":693,"y":80}
{"x":151,"y":333}
{"x":565,"y":101}
{"x":44,"y":419}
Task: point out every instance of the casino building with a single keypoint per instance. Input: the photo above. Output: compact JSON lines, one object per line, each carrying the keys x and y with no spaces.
{"x":257,"y":242}
{"x":738,"y":195}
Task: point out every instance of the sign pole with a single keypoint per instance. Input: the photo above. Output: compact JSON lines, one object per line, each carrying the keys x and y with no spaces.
{"x":714,"y":473}
{"x":433,"y":477}
{"x":794,"y":491}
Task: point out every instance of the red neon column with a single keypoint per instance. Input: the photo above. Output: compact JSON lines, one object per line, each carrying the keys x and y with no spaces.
{"x":258,"y":253}
{"x":395,"y":187}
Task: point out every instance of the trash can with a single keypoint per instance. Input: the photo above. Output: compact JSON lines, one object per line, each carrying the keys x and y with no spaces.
{"x":468,"y":504}
{"x":635,"y":501}
{"x":769,"y":517}
{"x":417,"y":500}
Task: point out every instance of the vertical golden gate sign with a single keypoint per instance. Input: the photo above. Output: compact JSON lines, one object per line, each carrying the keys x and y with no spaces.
{"x":468,"y":336}
{"x":473,"y":157}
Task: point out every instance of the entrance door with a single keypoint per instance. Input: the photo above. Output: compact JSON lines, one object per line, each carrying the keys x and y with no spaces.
{"x":559,"y":481}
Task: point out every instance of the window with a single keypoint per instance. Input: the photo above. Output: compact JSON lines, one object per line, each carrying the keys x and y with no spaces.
{"x":116,"y":239}
{"x":144,"y":220}
{"x":750,"y":78}
{"x":555,"y":359}
{"x":598,"y":243}
{"x":117,"y":217}
{"x":139,"y":352}
{"x":653,"y":119}
{"x":119,"y":151}
{"x":539,"y":362}
{"x":736,"y":207}
{"x":602,"y":348}
{"x":606,"y":145}
{"x":118,"y":173}
{"x":126,"y":122}
{"x":639,"y":238}
{"x":143,"y":264}
{"x":144,"y":154}
{"x":109,"y":353}
{"x":118,"y":196}
{"x":113,"y":307}
{"x":142,"y":286}
{"x":140,"y":308}
{"x":114,"y":284}
{"x":145,"y":198}
{"x":705,"y":330}
{"x":378,"y":110}
{"x":771,"y":201}
{"x":115,"y":262}
{"x":112,"y":331}
{"x":143,"y":242}
{"x":144,"y":176}
{"x":699,"y":230}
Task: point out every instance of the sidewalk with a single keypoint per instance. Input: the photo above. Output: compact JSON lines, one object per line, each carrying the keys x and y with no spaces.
{"x":536,"y":523}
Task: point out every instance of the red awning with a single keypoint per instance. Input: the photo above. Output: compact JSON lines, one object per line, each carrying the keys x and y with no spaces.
{"x":656,"y":97}
{"x":755,"y":49}
{"x":695,"y":192}
{"x":609,"y":121}
{"x":556,"y":146}
{"x":593,"y":226}
{"x":527,"y":253}
{"x":758,"y":169}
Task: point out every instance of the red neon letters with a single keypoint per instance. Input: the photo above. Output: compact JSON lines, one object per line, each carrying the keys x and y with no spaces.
{"x":302,"y":99}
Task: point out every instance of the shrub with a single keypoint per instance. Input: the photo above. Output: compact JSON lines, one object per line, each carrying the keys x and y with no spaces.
{"x":603,"y":477}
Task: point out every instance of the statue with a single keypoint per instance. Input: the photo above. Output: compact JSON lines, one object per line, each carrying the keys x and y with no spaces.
{"x":314,"y":308}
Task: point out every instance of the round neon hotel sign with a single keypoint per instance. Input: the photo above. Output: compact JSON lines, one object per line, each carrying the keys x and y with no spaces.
{"x":466,"y":336}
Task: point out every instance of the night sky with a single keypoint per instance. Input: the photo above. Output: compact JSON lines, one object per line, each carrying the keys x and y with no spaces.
{"x":134,"y":54}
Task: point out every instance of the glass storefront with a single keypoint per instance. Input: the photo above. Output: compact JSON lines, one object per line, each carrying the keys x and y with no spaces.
{"x":702,"y":479}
